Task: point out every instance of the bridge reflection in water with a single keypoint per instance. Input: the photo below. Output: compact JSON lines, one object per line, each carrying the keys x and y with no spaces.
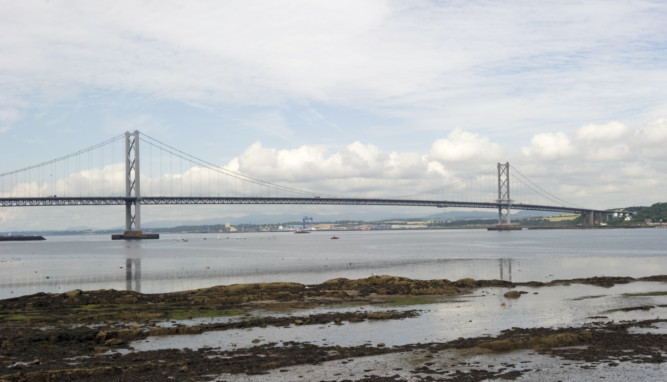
{"x":505,"y":269}
{"x":133,"y":271}
{"x":133,"y":279}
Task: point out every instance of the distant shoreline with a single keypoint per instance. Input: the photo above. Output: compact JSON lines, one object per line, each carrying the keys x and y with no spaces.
{"x":40,"y":235}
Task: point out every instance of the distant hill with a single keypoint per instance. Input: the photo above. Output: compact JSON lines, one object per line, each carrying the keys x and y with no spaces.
{"x":656,"y":212}
{"x":264,"y":219}
{"x":285,"y":218}
{"x":476,"y":215}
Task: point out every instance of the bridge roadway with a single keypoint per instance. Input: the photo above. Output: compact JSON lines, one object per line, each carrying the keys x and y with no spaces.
{"x":167,"y":200}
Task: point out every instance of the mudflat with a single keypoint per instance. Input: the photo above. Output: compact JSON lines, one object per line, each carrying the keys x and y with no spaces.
{"x":93,"y":335}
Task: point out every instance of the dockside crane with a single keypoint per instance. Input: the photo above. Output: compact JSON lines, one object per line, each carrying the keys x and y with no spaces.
{"x":305,"y":219}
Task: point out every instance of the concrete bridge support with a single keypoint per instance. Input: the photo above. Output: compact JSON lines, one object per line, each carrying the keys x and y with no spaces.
{"x":592,"y":218}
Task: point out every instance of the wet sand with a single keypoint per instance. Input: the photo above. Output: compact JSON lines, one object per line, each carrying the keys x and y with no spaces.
{"x":381,"y":328}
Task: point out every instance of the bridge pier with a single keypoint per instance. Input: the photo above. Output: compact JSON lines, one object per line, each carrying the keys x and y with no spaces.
{"x":592,"y":218}
{"x":589,"y":219}
{"x":135,"y":235}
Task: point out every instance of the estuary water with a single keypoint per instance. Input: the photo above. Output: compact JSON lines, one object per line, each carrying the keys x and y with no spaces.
{"x":190,"y":261}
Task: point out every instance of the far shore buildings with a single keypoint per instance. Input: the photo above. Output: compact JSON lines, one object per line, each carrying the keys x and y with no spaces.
{"x":622,"y":213}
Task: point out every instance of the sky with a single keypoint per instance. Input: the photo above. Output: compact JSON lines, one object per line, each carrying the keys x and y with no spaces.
{"x":341,"y":96}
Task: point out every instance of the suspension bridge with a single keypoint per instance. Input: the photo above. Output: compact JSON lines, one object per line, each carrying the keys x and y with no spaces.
{"x":106,"y":174}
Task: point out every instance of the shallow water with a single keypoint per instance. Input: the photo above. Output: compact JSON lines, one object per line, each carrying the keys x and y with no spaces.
{"x":535,"y":367}
{"x":171,"y":264}
{"x":181,"y":262}
{"x":484,"y":313}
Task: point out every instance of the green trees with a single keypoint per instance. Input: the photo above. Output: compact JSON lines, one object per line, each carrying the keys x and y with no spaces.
{"x":655,"y":213}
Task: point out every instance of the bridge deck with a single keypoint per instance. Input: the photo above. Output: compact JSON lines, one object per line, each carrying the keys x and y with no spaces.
{"x":166,"y":200}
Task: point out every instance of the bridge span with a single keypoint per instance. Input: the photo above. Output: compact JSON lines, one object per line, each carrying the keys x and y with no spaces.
{"x":133,"y":199}
{"x":165,"y":200}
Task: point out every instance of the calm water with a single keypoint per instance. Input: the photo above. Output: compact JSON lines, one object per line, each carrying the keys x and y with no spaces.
{"x":63,"y":263}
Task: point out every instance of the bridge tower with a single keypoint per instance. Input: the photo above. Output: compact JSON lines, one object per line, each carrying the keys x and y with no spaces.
{"x":133,"y":191}
{"x":132,"y":184}
{"x":504,"y":200}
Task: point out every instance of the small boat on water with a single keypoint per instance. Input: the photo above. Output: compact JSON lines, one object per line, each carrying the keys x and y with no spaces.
{"x":334,"y":237}
{"x":301,"y":230}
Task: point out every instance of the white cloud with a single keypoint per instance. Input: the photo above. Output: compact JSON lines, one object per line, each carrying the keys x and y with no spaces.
{"x":281,"y":165}
{"x":549,"y":146}
{"x":616,"y":152}
{"x":600,"y":170}
{"x":654,"y":134}
{"x":609,"y":132}
{"x":356,"y":162}
{"x":357,"y":159}
{"x":639,"y":172}
{"x":463,"y":146}
{"x":505,"y":60}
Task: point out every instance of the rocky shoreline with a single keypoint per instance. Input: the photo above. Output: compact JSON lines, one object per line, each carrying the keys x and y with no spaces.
{"x":87,"y":335}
